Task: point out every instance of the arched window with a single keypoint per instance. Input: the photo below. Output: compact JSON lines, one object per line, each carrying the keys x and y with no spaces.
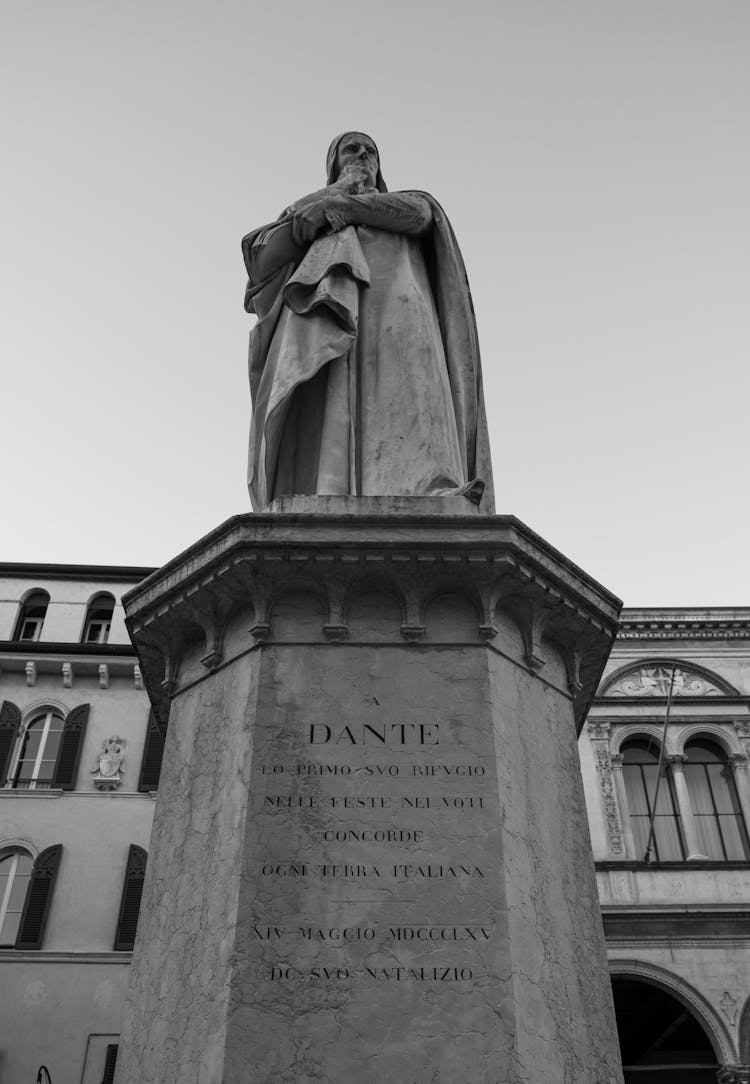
{"x":37,"y":753}
{"x":98,"y":619}
{"x":45,"y":752}
{"x":26,"y":895}
{"x":713,"y":798}
{"x":31,"y":616}
{"x":640,"y":764}
{"x":15,"y":874}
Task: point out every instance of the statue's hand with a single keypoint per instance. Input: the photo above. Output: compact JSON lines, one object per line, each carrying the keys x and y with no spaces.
{"x":308,"y":222}
{"x":353,"y":179}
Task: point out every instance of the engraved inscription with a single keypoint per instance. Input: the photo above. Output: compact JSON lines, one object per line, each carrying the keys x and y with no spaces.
{"x":399,"y":865}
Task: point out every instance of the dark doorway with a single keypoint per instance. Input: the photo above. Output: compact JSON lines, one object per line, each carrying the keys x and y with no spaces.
{"x":661,"y":1042}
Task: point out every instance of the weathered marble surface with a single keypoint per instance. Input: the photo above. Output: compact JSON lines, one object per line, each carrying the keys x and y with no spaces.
{"x":242,"y":971}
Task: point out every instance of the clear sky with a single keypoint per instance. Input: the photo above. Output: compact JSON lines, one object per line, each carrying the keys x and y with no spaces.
{"x":593,"y":156}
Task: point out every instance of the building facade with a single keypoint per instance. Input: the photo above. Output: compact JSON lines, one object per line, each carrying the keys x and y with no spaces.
{"x":76,"y":808}
{"x":80,"y":752}
{"x":675,"y":898}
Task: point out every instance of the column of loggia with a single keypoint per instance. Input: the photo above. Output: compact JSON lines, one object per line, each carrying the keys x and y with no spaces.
{"x":738,"y":763}
{"x":684,"y":807}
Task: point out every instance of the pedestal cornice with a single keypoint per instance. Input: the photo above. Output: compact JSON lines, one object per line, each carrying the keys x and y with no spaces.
{"x":252,"y":560}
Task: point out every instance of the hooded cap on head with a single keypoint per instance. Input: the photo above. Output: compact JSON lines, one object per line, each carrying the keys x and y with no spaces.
{"x":332,"y":171}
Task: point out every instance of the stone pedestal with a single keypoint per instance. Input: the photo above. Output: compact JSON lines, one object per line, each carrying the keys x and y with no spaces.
{"x":371,"y":858}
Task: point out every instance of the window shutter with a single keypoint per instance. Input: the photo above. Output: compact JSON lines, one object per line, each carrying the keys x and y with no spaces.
{"x":153,"y":752}
{"x":38,"y":899}
{"x":130,"y":905}
{"x":10,"y":723}
{"x":110,"y":1062}
{"x":71,"y":745}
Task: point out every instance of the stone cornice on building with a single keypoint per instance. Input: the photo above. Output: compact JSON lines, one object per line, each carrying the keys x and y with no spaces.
{"x":627,"y":924}
{"x":692,"y":865}
{"x":70,"y":662}
{"x":28,"y":570}
{"x":685,"y":623}
{"x":64,"y":648}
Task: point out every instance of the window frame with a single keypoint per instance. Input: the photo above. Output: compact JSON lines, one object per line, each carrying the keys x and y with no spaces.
{"x":70,"y":749}
{"x":99,"y":611}
{"x":50,"y":713}
{"x":32,"y":599}
{"x":716,"y":817}
{"x":14,"y":853}
{"x":667,"y":781}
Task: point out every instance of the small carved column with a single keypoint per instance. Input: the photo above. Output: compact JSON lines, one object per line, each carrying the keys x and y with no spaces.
{"x":618,"y":778}
{"x":733,"y":1074}
{"x":738,"y":762}
{"x":684,"y":806}
{"x":616,"y":844}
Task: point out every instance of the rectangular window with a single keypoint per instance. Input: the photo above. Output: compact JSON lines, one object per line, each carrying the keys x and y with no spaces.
{"x":31,"y":629}
{"x":640,"y":785}
{"x":97,"y":632}
{"x":716,"y":811}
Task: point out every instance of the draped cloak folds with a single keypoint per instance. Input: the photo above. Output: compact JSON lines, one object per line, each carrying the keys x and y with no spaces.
{"x":310,"y":318}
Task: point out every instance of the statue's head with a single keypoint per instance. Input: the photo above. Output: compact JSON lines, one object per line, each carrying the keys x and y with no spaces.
{"x":352,"y":147}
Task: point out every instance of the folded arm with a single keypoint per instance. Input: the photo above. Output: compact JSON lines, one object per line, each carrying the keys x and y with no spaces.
{"x":268,"y":249}
{"x":329,"y":211}
{"x":397,"y":212}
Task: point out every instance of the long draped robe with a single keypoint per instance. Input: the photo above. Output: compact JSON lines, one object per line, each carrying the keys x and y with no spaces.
{"x":364,"y":364}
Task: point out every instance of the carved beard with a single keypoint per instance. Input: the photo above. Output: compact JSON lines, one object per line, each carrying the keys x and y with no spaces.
{"x":362,"y":186}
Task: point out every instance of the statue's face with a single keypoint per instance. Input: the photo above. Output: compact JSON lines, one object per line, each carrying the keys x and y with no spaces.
{"x":358,"y":148}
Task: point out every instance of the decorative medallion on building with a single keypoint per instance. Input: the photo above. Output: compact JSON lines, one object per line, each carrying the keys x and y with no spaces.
{"x":111,"y":764}
{"x":655,"y":681}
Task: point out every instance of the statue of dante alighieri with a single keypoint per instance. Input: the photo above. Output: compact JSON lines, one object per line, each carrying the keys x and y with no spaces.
{"x":364,"y":361}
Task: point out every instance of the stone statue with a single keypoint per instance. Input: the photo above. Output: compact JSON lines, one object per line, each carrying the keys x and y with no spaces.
{"x":364,"y":362}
